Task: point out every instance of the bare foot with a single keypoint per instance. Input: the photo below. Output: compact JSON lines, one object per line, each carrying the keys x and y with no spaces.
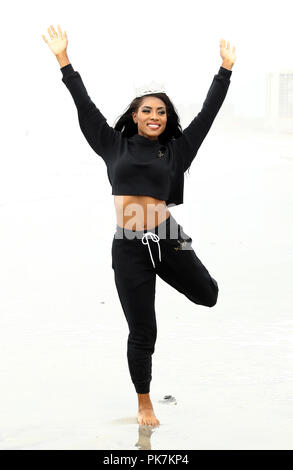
{"x":147,"y":416}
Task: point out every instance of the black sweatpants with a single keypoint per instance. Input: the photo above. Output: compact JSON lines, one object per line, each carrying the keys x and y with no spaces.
{"x":137,"y":257}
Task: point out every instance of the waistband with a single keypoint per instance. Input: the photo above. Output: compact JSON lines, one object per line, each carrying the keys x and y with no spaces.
{"x":169,"y":228}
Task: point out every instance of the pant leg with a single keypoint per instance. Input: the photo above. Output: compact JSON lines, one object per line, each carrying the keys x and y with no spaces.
{"x":181,"y":268}
{"x":135,"y":281}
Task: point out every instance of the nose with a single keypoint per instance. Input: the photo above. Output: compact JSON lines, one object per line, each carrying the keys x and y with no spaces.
{"x":154,"y":116}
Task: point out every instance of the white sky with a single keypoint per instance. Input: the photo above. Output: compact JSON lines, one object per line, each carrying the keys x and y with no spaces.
{"x":115,"y":43}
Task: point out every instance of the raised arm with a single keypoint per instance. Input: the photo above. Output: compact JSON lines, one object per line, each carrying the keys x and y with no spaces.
{"x":194,"y":134}
{"x":102,"y":138}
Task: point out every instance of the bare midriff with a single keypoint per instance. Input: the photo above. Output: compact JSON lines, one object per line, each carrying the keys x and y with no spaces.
{"x":140,"y":212}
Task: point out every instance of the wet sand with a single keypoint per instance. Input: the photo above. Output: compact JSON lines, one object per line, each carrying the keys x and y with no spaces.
{"x":65,"y":382}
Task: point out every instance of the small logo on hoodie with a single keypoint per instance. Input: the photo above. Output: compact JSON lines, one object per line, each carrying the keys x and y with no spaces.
{"x":181,"y":245}
{"x":161,"y":152}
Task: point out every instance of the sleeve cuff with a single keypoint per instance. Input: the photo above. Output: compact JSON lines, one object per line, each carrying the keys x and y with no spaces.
{"x":225,"y":72}
{"x":67,"y":70}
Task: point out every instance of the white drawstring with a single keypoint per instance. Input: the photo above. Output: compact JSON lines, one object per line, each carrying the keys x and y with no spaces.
{"x":156,"y":239}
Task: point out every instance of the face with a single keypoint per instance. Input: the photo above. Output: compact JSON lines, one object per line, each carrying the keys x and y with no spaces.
{"x":151,"y":111}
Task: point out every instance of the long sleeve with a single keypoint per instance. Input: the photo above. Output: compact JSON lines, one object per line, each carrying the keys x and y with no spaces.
{"x":191,"y":139}
{"x":102,"y":138}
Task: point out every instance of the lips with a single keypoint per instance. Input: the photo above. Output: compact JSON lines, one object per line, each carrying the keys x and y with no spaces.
{"x":154,"y":126}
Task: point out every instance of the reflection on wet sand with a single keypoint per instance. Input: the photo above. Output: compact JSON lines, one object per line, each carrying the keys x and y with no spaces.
{"x":144,"y":437}
{"x":145,"y":431}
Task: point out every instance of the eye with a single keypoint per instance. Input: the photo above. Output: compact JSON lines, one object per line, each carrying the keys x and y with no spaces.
{"x":147,"y":110}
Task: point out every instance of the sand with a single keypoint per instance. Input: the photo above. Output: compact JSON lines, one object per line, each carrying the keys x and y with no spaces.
{"x":64,"y":380}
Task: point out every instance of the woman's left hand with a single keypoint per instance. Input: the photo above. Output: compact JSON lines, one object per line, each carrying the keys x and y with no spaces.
{"x":227,"y":54}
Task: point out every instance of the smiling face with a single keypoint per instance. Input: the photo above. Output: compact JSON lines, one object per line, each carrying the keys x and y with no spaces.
{"x":151,"y":111}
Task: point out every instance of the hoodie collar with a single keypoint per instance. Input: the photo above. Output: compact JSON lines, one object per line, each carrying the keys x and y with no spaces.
{"x":143,"y":140}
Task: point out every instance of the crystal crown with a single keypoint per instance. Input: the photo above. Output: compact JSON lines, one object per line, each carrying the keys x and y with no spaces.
{"x":151,"y":87}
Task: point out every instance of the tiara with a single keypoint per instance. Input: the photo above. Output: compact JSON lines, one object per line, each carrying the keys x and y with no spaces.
{"x":151,"y":87}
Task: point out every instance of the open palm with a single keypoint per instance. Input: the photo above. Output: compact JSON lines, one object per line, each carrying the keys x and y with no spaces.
{"x":59,"y":41}
{"x":226,"y":53}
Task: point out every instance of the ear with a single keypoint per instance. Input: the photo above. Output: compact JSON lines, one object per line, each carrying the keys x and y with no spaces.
{"x":134,"y":117}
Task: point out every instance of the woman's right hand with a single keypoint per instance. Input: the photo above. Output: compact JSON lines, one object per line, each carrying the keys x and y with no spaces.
{"x":59,"y":41}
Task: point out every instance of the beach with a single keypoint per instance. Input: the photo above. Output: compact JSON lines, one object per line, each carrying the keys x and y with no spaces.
{"x":65,"y":382}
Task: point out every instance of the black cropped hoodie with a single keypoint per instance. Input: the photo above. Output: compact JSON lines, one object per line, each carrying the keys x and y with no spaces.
{"x":137,"y":165}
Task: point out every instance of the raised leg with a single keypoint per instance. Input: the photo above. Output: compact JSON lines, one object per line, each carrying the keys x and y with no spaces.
{"x":182,"y":269}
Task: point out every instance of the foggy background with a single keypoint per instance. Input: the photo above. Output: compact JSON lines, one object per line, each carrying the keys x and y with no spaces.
{"x":62,"y":330}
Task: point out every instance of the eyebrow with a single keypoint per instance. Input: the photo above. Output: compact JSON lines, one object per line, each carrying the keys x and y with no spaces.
{"x":159,"y":107}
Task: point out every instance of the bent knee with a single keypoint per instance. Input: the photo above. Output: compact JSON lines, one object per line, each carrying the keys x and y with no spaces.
{"x":212,"y":301}
{"x":213,"y":298}
{"x":208,"y":300}
{"x":211,"y":295}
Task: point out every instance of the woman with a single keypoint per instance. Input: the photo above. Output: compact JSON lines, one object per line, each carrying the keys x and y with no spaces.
{"x":146,"y":155}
